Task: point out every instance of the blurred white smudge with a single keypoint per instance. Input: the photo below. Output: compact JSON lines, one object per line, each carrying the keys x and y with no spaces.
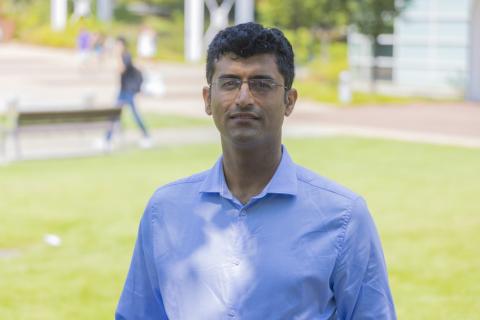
{"x":52,"y":240}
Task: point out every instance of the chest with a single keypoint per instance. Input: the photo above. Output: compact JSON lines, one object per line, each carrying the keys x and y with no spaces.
{"x":236,"y":256}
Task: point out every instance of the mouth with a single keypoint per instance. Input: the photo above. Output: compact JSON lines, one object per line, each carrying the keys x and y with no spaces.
{"x":244,"y":116}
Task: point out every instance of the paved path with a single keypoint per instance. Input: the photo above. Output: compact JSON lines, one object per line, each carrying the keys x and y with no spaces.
{"x":45,"y":76}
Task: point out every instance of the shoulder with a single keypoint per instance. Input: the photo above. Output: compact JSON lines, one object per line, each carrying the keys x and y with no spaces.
{"x":313,"y":183}
{"x":330,"y":198}
{"x":339,"y":203}
{"x":126,"y":58}
{"x":180,"y":189}
{"x":172,"y":203}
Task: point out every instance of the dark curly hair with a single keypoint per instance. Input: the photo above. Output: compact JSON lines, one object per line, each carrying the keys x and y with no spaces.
{"x":248,"y":39}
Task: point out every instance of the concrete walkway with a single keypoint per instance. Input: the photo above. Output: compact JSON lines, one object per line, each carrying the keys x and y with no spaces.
{"x":45,"y":77}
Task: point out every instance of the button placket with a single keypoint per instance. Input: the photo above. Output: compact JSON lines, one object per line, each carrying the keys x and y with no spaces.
{"x":232,"y":313}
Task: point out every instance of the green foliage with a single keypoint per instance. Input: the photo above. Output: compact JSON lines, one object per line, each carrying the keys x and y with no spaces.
{"x":32,"y":19}
{"x":28,"y":15}
{"x":303,"y":43}
{"x":318,"y":81}
{"x":294,"y":14}
{"x":121,"y":13}
{"x":310,"y":25}
{"x":374,"y":17}
{"x":44,"y":35}
{"x":329,"y":70}
{"x":170,"y":36}
{"x":426,"y":211}
{"x":172,"y":5}
{"x":324,"y":20}
{"x":327,"y":92}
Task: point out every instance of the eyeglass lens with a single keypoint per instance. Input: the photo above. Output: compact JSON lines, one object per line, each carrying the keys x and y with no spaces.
{"x":256,"y":86}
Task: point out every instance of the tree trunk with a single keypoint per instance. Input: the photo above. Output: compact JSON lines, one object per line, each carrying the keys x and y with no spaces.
{"x":373,"y":68}
{"x":324,"y":46}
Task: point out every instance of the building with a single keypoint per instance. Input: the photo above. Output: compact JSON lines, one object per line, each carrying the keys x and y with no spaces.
{"x":434,"y":51}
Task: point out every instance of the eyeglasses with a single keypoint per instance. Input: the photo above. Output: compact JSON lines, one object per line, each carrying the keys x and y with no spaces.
{"x":258,"y":87}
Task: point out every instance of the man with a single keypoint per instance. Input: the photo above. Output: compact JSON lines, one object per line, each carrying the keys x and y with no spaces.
{"x":256,"y":236}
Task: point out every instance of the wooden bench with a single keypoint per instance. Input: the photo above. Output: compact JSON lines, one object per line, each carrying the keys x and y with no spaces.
{"x":59,"y":121}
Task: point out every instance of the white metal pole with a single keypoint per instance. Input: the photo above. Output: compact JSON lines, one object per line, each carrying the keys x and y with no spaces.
{"x":473,"y":83}
{"x":244,"y":11}
{"x":194,"y":11}
{"x":105,"y":10}
{"x":58,"y":14}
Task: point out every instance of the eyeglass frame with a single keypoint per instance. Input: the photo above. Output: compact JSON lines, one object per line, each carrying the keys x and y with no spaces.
{"x":240,"y":82}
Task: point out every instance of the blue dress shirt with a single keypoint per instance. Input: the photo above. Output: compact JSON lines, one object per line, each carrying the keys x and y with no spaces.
{"x":304,"y":248}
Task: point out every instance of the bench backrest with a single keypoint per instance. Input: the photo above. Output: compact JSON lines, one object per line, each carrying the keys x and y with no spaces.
{"x":66,"y":119}
{"x":52,"y":117}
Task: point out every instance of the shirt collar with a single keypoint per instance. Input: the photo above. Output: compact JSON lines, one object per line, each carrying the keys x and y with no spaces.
{"x":284,"y":180}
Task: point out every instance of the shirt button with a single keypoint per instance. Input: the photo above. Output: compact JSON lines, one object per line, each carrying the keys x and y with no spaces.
{"x":236,"y":262}
{"x":243,"y":213}
{"x":232,"y":313}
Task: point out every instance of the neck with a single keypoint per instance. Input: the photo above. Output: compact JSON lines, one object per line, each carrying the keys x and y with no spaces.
{"x":248,"y":170}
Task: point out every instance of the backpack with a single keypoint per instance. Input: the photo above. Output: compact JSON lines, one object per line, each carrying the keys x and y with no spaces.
{"x":136,"y":80}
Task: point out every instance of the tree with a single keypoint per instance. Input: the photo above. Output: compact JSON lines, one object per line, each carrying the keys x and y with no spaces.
{"x":372,"y":18}
{"x":325,"y":19}
{"x":170,"y":5}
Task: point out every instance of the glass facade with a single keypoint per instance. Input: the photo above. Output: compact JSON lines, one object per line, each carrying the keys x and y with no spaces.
{"x":431,"y":47}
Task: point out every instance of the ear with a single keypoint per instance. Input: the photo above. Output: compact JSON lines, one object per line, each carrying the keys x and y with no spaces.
{"x":207,"y":100}
{"x":290,"y":99}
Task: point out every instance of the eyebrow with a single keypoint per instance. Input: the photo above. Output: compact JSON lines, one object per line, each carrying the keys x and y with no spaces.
{"x":259,"y":76}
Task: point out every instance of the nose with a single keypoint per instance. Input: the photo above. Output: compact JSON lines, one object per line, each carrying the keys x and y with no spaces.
{"x":244,"y":96}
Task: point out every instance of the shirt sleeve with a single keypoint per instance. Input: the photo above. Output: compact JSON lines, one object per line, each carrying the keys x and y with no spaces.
{"x":360,"y":281}
{"x":141,"y":297}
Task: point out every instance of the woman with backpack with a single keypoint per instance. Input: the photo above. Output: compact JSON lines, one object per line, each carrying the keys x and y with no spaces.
{"x":131,"y":80}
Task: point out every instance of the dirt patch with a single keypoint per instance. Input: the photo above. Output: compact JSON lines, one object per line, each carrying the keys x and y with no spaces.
{"x":9,"y":253}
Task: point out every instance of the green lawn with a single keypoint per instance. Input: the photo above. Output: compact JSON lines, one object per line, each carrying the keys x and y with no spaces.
{"x":159,"y":121}
{"x":423,"y":198}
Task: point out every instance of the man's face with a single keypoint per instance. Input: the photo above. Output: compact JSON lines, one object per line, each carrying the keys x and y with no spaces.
{"x":253,"y":113}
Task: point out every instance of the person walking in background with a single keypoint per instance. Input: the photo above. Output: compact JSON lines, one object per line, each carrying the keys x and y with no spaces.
{"x":147,"y":43}
{"x":83,"y":46}
{"x":98,"y":47}
{"x":131,"y":80}
{"x":257,"y":236}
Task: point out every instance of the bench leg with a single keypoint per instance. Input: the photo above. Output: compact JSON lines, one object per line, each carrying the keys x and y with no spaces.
{"x":17,"y":153}
{"x":3,"y":155}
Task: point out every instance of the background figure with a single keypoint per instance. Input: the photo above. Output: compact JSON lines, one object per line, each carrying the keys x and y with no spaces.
{"x":81,"y":9}
{"x":147,"y":43}
{"x":98,"y":47}
{"x":83,"y":46}
{"x":130,"y":84}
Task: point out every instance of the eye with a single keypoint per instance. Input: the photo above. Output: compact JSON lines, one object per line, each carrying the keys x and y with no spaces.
{"x":228,"y":84}
{"x":262,"y":84}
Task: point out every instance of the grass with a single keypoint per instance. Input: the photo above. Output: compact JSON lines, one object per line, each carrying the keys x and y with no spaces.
{"x":423,"y":198}
{"x":423,"y":201}
{"x":326,"y":92}
{"x":159,"y":121}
